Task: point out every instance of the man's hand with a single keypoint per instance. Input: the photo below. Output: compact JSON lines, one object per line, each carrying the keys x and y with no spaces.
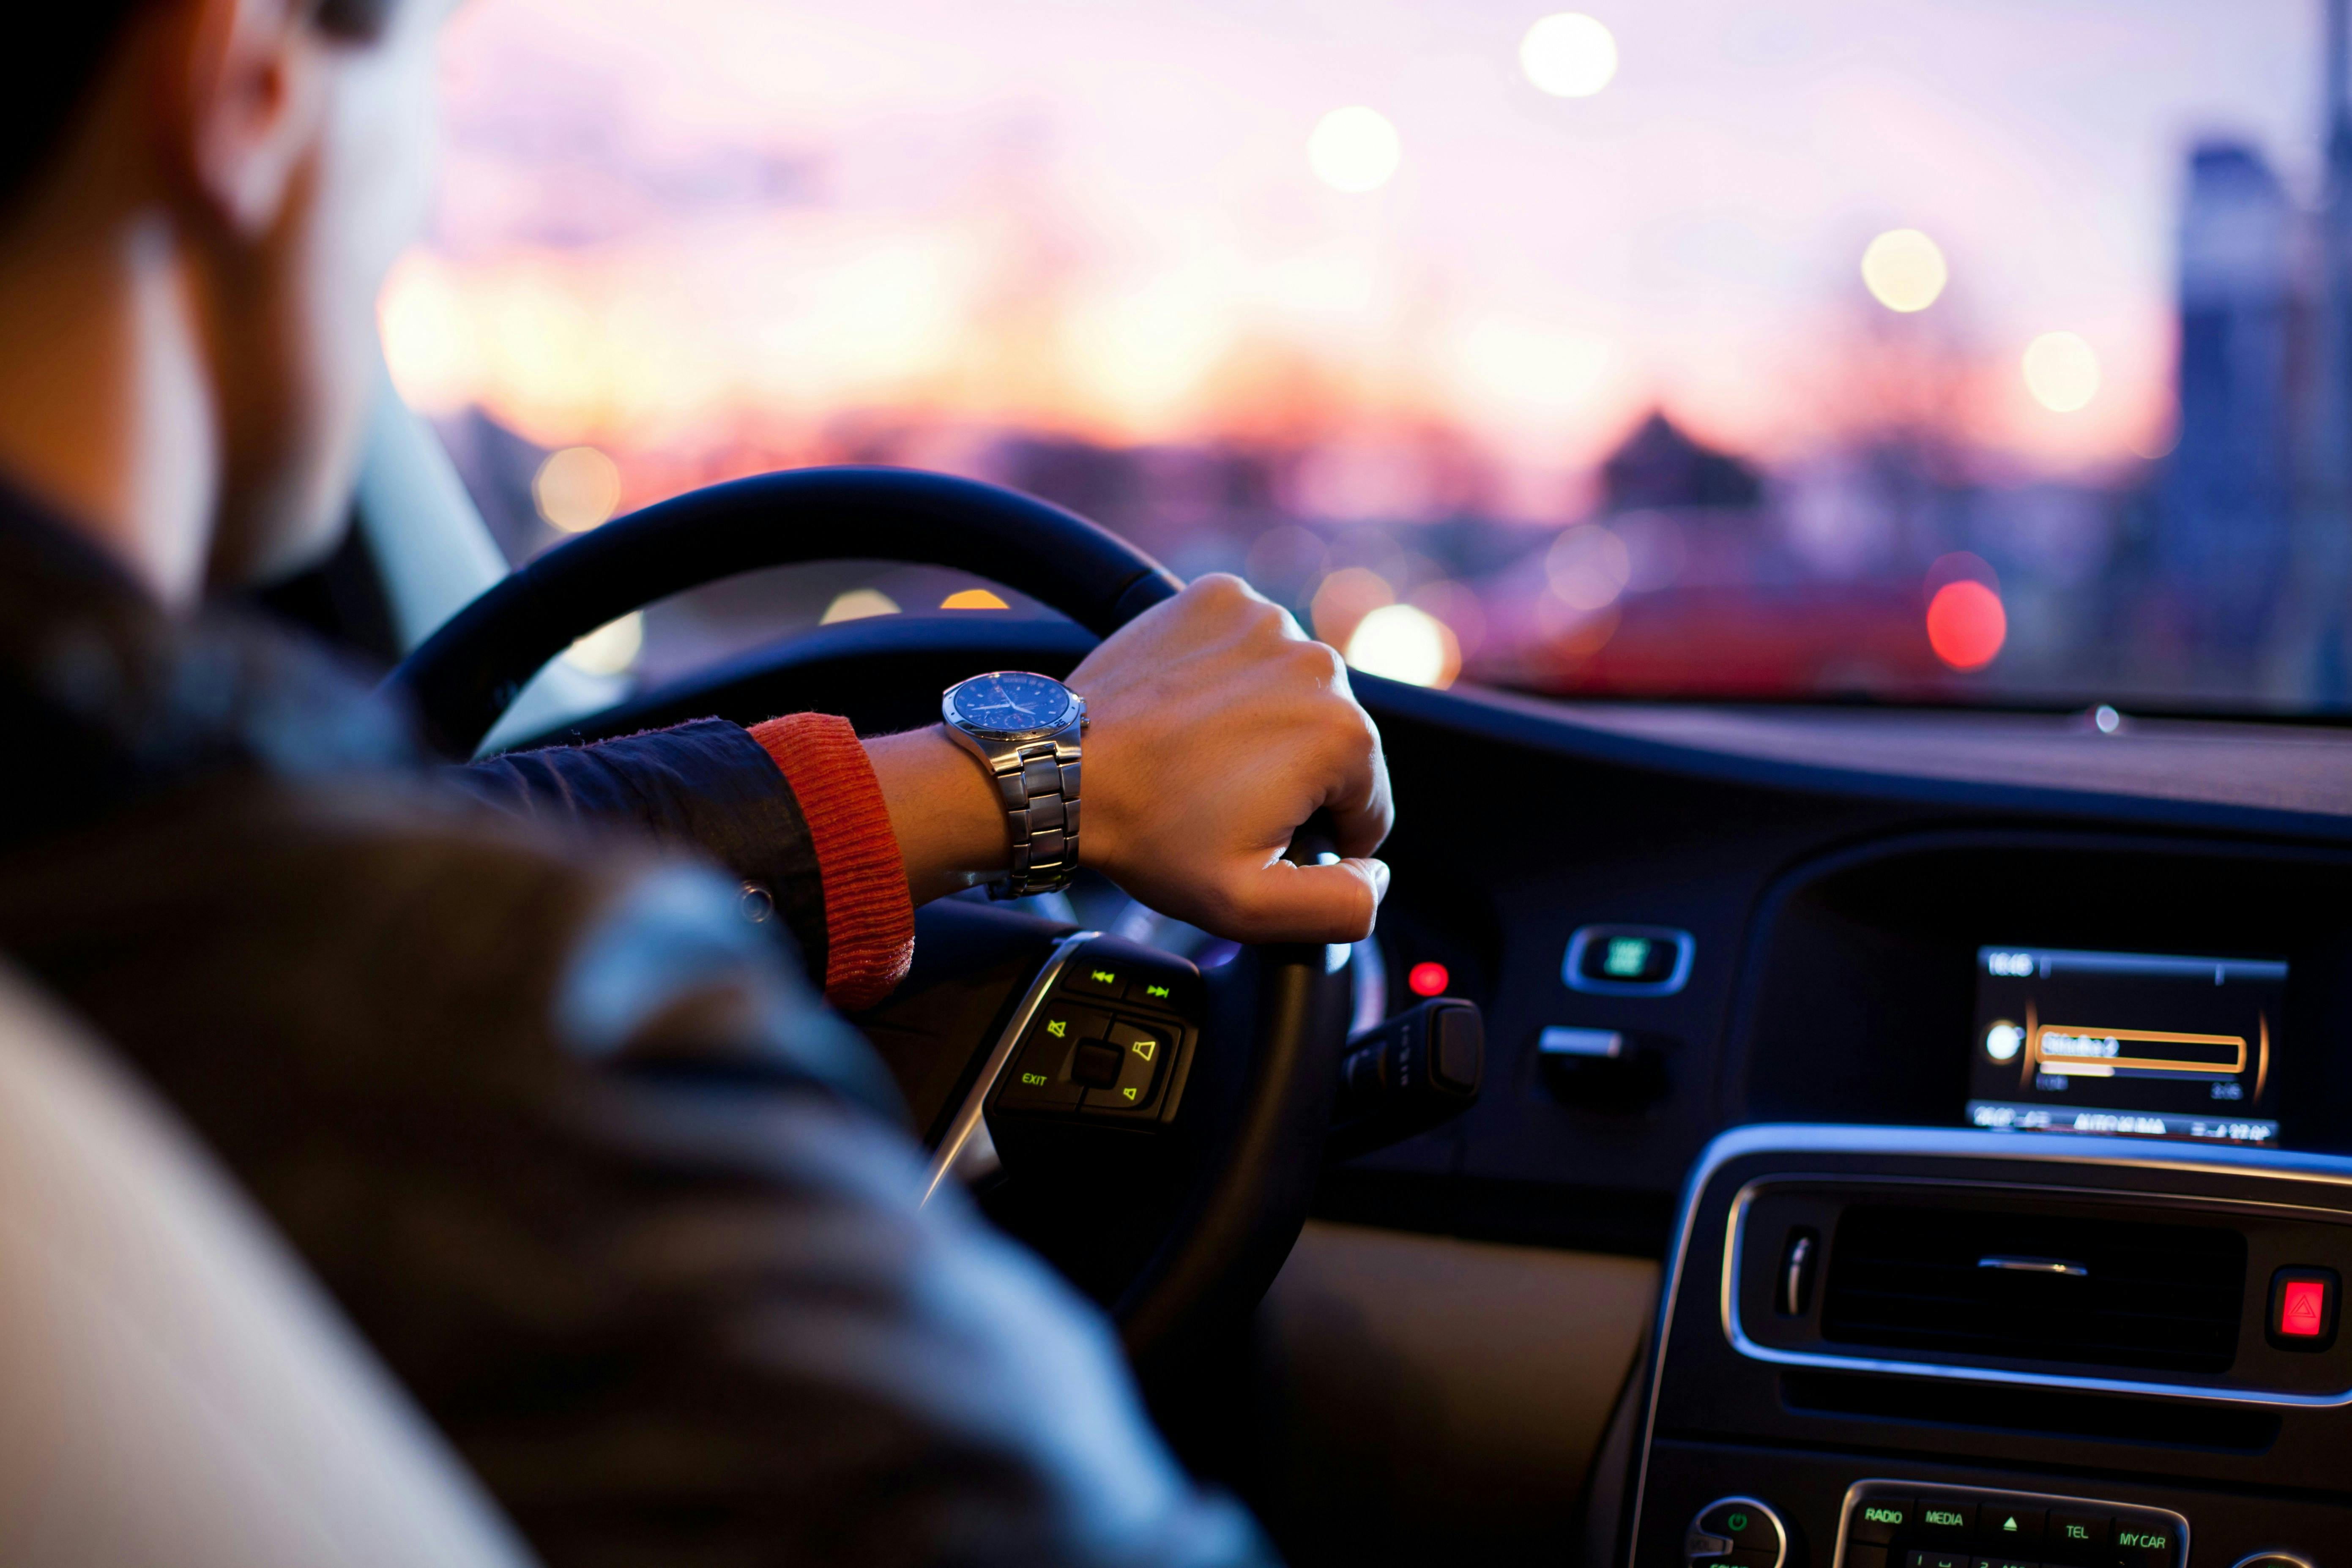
{"x":1216,"y":728}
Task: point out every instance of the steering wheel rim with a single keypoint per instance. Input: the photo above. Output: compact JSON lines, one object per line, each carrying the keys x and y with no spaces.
{"x":462,"y":678}
{"x":1251,"y":1197}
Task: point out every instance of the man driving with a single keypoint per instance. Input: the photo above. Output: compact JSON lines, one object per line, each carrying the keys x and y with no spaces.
{"x":629,"y":1211}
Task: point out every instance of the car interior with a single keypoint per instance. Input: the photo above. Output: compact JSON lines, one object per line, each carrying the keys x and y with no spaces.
{"x":1857,"y":1114}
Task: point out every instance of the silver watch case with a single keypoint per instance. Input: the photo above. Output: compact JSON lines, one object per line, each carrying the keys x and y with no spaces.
{"x":1043,"y":821}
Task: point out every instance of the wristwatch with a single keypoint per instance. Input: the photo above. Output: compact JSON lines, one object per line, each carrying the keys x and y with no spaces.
{"x":1024,"y":730}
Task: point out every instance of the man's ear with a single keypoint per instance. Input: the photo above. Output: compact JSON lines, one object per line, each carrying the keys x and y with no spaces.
{"x":243,"y":103}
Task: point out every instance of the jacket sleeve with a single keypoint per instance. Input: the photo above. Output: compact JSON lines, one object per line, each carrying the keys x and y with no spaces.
{"x":624,"y":1206}
{"x":791,"y":807}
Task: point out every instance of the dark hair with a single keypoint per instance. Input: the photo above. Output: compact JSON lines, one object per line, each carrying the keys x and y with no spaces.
{"x":41,"y":85}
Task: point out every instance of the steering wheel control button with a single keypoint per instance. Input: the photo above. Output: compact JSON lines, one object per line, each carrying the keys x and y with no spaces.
{"x":1140,"y":1051}
{"x":2075,"y":1533}
{"x":2303,"y":1309}
{"x":1088,"y":977}
{"x":1879,"y":1519}
{"x":1042,"y":1078}
{"x":1736,"y":1532}
{"x":1094,"y":1063}
{"x":1628,"y":960}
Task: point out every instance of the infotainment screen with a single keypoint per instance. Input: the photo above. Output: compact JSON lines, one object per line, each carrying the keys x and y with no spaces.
{"x":2140,"y":1044}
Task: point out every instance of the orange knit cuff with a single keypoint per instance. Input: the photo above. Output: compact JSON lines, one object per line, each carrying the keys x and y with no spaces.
{"x":869,"y":918}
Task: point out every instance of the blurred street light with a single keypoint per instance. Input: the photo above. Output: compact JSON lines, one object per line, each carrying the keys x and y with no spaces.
{"x":1905,"y":270}
{"x":1568,"y":55}
{"x":2062,"y":372}
{"x":1354,"y":149}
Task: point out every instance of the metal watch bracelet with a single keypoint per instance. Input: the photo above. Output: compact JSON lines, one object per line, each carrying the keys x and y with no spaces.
{"x":1039,"y":786}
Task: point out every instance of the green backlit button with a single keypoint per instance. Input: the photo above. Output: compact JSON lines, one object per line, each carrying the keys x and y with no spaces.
{"x":1878,"y":1519}
{"x":2077,"y":1536}
{"x":1143,"y":1050}
{"x":1041,"y":1076}
{"x":1093,"y":978}
{"x":2145,"y":1543}
{"x":1947,"y":1517}
{"x":2007,"y":1529}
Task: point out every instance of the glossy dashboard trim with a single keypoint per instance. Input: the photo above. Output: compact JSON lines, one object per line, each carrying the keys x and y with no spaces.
{"x":1800,"y":1138}
{"x":1735,"y":1241}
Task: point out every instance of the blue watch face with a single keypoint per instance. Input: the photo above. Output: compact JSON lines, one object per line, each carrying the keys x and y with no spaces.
{"x":1010,"y":700}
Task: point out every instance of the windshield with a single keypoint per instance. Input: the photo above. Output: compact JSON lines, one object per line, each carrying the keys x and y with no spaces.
{"x":1975,"y":351}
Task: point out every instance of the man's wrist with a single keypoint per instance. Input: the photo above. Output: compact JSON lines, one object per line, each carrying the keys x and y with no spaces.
{"x":944,"y":811}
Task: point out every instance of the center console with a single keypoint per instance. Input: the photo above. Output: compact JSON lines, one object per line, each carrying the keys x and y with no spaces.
{"x":1910,"y":1347}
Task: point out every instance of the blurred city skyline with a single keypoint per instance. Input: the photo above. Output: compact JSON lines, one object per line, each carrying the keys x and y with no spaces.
{"x":1786,"y":329}
{"x":659,"y":221}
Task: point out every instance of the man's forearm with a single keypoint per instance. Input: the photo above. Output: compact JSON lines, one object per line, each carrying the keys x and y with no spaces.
{"x":950,"y":825}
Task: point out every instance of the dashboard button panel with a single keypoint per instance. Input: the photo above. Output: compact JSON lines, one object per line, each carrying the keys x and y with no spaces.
{"x":1977,"y":1529}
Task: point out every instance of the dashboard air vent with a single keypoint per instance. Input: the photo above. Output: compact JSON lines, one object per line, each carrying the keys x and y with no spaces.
{"x":2036,"y":1286}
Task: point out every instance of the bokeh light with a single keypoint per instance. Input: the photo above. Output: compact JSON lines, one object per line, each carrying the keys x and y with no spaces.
{"x":1354,"y":149}
{"x":576,"y":488}
{"x":859,"y":605}
{"x":2062,"y":372}
{"x":1966,"y":624}
{"x":1588,"y":567}
{"x":1427,"y":979}
{"x":1342,"y":601}
{"x":974,"y":599}
{"x":611,"y":648}
{"x":1568,"y":55}
{"x":1405,"y":643}
{"x":1905,"y":270}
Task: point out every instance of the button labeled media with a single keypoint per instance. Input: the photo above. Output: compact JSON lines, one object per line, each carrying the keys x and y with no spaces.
{"x":1950,"y":1517}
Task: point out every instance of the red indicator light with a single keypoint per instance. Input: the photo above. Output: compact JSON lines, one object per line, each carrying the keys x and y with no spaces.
{"x":2303,"y":1309}
{"x":1428,"y":979}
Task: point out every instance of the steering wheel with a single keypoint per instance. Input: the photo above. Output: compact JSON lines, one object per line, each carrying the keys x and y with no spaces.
{"x":1175,"y":1212}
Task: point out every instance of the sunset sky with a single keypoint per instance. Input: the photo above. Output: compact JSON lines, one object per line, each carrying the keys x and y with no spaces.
{"x":669,"y":226}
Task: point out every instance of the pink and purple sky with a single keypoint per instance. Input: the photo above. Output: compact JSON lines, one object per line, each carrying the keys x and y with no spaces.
{"x":675,"y":228}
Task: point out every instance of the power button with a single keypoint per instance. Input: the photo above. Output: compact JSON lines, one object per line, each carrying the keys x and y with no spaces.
{"x":1737,"y":1532}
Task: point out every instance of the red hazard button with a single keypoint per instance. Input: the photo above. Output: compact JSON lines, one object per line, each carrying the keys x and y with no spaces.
{"x":2303,"y":1309}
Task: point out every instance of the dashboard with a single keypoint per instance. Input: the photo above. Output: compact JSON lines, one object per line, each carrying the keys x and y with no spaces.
{"x":1982,"y":1081}
{"x":1809,"y":1006}
{"x":1843,"y":894}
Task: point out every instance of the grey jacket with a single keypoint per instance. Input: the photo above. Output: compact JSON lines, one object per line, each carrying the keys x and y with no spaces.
{"x":631,"y":1213}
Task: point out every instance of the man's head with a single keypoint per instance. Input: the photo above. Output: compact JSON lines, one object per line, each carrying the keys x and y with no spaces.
{"x":198,"y":202}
